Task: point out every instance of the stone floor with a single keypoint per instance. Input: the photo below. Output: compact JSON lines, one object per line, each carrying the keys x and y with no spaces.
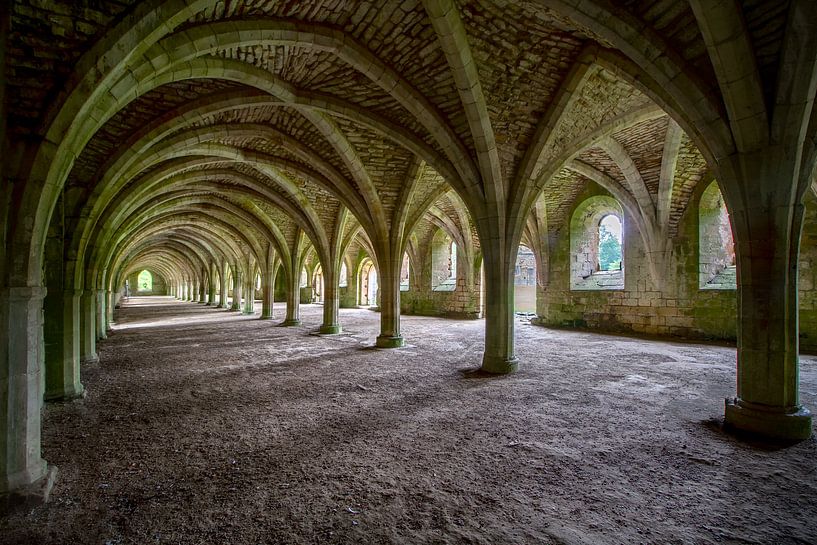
{"x":205,"y":426}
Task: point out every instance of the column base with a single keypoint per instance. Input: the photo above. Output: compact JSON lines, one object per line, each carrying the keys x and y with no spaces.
{"x":333,"y":329}
{"x":248,"y":312}
{"x":769,"y":422}
{"x":499,"y":366}
{"x":31,"y":495}
{"x":265,"y":317}
{"x":90,"y":360}
{"x":66,"y":395}
{"x":290,"y":323}
{"x":386,"y":341}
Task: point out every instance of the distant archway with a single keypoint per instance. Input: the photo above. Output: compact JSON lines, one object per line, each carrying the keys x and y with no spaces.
{"x":145,"y":282}
{"x":524,"y":280}
{"x":716,"y":247}
{"x":368,"y":284}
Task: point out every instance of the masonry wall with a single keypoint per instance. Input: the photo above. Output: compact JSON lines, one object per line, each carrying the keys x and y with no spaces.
{"x":422,"y":299}
{"x":159,"y":285}
{"x":681,"y":309}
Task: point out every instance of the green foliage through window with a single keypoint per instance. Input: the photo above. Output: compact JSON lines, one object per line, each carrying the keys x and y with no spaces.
{"x":610,"y":244}
{"x":145,"y":281}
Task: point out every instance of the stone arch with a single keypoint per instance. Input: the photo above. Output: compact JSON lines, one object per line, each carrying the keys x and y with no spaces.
{"x":443,"y":261}
{"x":368,"y":283}
{"x":716,"y":246}
{"x":584,"y":245}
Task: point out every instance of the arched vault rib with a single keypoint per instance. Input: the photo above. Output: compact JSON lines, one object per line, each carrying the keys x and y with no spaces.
{"x":728,"y":42}
{"x":254,"y":232}
{"x":184,"y":241}
{"x":259,"y":161}
{"x":192,"y":249}
{"x":220,"y":230}
{"x":168,"y":252}
{"x":199,"y":142}
{"x":445,"y":18}
{"x":208,"y":38}
{"x":173,"y":208}
{"x":131,"y":200}
{"x":171,"y":261}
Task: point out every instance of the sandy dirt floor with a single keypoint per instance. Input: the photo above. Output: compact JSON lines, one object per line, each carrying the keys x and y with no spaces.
{"x":205,"y":426}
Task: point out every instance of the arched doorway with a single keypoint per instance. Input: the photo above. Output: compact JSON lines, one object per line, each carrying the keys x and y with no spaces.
{"x":524,"y":281}
{"x":368,"y":284}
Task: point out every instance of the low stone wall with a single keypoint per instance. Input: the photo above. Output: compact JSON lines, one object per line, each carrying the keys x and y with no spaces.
{"x":682,"y":308}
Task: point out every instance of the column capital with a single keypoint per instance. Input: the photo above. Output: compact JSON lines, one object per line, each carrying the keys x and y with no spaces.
{"x":23,"y":293}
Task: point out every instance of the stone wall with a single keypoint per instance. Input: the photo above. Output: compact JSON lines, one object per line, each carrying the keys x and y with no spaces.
{"x":159,"y":285}
{"x":680,"y":308}
{"x":455,"y":301}
{"x":808,"y":277}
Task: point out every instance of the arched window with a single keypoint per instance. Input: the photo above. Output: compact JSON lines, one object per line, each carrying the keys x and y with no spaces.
{"x":258,"y":281}
{"x":404,"y":273}
{"x":368,"y":284}
{"x":343,"y":281}
{"x":610,"y":243}
{"x":716,"y":248}
{"x":452,"y":261}
{"x":302,"y":283}
{"x":317,"y":284}
{"x":145,"y":281}
{"x":524,"y":280}
{"x":596,"y":245}
{"x":443,"y":262}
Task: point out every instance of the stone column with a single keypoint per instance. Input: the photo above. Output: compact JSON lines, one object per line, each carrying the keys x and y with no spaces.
{"x":236,"y":290}
{"x":767,"y":237}
{"x":23,"y":472}
{"x":293,"y":317}
{"x":268,"y":292}
{"x":499,"y":311}
{"x":61,"y":329}
{"x":222,"y":277}
{"x":331,"y":302}
{"x":109,"y":308}
{"x":211,"y":293}
{"x":202,"y":292}
{"x":249,"y":294}
{"x":87,"y":341}
{"x":389,"y":277}
{"x":101,"y":315}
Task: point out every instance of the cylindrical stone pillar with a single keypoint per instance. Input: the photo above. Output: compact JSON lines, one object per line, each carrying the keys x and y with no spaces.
{"x":87,"y":323}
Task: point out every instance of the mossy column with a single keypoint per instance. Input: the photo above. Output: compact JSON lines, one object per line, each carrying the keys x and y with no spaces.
{"x":101,"y":314}
{"x":767,"y":232}
{"x":109,"y":306}
{"x":236,"y":289}
{"x":249,"y":289}
{"x":499,"y":310}
{"x":268,"y":288}
{"x":20,"y":388}
{"x":331,"y":302}
{"x":293,"y":283}
{"x":211,"y":285}
{"x":203,"y":290}
{"x":389,"y":276}
{"x":61,"y":331}
{"x":222,"y":292}
{"x":87,"y":344}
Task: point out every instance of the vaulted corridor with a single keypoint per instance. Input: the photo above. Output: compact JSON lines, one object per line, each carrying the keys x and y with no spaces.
{"x":205,"y":425}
